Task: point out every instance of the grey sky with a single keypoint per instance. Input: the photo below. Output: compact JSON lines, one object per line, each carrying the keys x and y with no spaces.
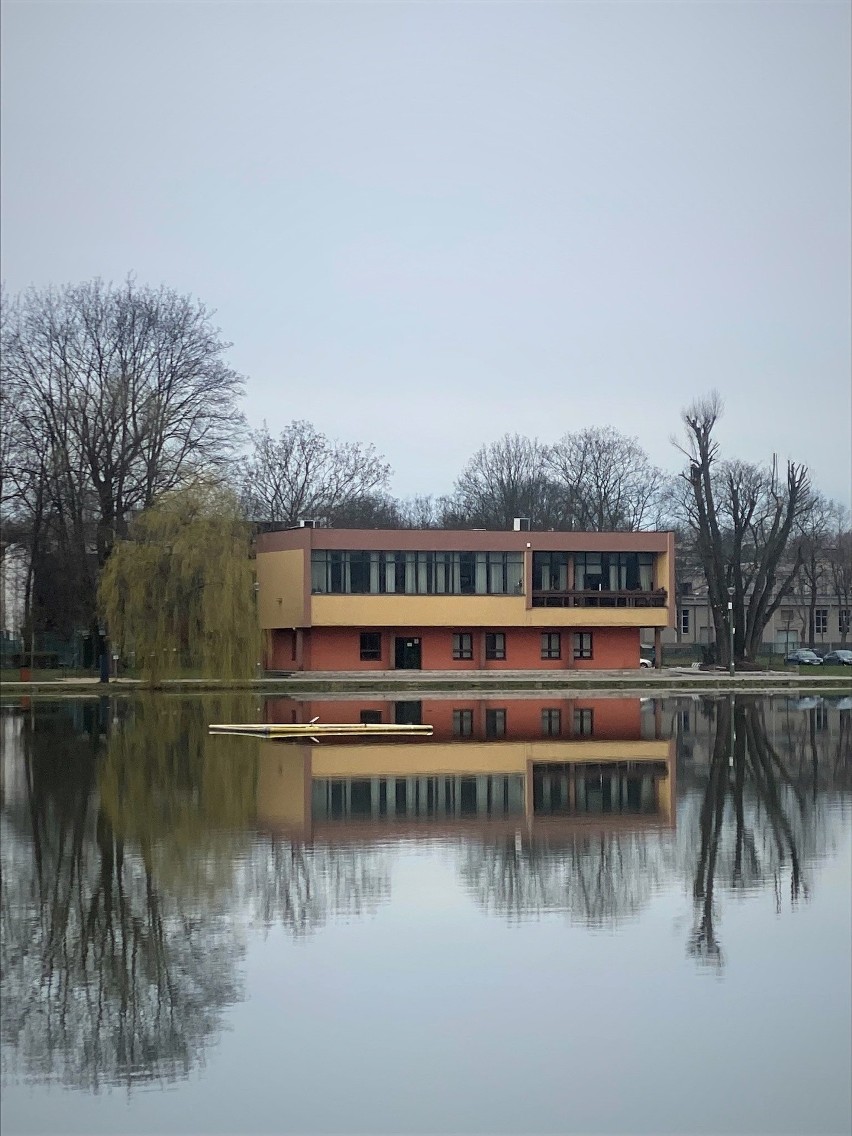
{"x":429,"y":224}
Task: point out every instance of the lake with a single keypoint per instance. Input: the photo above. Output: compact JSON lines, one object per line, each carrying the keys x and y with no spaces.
{"x":555,"y":914}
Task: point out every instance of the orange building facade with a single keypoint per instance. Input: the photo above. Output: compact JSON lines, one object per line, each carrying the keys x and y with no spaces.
{"x":420,"y":599}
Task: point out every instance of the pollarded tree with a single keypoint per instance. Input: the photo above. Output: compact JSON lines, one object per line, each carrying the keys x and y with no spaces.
{"x":179,"y":592}
{"x":742,"y":518}
{"x":302,"y":473}
{"x":608,"y":482}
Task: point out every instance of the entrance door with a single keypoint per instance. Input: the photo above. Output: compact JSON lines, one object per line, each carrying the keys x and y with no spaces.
{"x":407,"y":654}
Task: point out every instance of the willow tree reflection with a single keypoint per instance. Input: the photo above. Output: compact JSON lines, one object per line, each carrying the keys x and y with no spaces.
{"x":131,"y":872}
{"x":110,"y":973}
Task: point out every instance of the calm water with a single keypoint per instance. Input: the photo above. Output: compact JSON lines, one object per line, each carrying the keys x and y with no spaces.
{"x":578,"y":916}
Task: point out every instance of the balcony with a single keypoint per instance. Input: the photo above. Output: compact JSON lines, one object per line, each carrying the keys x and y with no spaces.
{"x":596,"y":598}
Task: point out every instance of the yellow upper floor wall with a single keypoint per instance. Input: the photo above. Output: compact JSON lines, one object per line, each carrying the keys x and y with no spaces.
{"x":285,"y":598}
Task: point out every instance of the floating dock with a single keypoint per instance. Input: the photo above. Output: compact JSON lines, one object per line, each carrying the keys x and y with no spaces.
{"x":319,"y":729}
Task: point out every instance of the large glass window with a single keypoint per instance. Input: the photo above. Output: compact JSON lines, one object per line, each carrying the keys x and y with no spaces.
{"x":417,"y":573}
{"x":614,"y":571}
{"x":550,"y":571}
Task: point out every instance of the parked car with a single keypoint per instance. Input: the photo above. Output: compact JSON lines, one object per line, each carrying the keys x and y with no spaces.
{"x":804,"y":657}
{"x":645,"y":662}
{"x":838,"y":659}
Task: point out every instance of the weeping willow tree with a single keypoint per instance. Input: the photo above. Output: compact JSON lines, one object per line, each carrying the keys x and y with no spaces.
{"x":179,"y":592}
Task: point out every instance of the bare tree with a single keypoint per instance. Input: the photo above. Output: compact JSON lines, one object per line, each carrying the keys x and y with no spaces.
{"x":608,"y":481}
{"x":116,"y":394}
{"x":742,"y":518}
{"x":302,"y":474}
{"x":504,"y":480}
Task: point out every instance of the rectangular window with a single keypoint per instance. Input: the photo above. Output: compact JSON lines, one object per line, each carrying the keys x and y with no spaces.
{"x":462,"y":723}
{"x":583,"y":645}
{"x":820,"y":621}
{"x":371,"y":645}
{"x":551,"y":645}
{"x":495,"y":645}
{"x":684,"y":621}
{"x":550,"y":571}
{"x":495,"y":723}
{"x":584,"y":723}
{"x":844,"y":618}
{"x":551,"y":723}
{"x":463,"y":646}
{"x":360,"y":572}
{"x":370,"y":717}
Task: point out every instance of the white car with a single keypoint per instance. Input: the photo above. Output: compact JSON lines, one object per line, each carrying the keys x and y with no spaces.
{"x":645,"y":663}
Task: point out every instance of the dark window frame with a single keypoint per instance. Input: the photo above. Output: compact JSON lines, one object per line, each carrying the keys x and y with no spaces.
{"x":548,"y":651}
{"x":370,"y":653}
{"x":583,"y":645}
{"x":495,"y":645}
{"x":495,"y":722}
{"x":462,"y":645}
{"x":462,"y":723}
{"x":584,"y":722}
{"x":551,"y":722}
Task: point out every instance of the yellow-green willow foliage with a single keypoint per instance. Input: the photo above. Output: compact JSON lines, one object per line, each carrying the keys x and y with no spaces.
{"x":186,"y":798}
{"x":179,"y":593}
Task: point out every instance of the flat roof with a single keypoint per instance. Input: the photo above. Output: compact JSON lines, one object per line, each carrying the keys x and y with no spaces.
{"x":463,"y":540}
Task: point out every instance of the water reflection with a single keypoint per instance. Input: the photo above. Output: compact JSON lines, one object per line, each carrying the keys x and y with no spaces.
{"x":138,"y":852}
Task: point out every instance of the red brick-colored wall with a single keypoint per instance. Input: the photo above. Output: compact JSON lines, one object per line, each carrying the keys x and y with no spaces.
{"x":614,"y":719}
{"x":338,"y":649}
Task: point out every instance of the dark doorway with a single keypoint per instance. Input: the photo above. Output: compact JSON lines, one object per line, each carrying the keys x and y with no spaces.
{"x":408,"y":713}
{"x":407,"y":654}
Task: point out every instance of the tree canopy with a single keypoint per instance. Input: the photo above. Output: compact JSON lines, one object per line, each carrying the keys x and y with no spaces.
{"x":112,"y":395}
{"x":179,"y":592}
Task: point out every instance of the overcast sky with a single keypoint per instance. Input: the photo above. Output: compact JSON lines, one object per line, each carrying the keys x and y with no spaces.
{"x":426,"y":225}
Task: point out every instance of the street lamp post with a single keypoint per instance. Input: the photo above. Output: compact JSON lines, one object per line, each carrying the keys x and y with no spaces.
{"x":731,"y":630}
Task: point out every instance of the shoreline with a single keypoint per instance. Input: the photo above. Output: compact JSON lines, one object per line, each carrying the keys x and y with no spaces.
{"x":671,"y":681}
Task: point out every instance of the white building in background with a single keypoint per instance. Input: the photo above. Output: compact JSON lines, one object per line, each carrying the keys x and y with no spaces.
{"x":14,"y":566}
{"x":787,"y":629}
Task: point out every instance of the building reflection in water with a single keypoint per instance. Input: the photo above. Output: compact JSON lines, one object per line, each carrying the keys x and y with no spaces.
{"x":526,"y":767}
{"x":136,"y":848}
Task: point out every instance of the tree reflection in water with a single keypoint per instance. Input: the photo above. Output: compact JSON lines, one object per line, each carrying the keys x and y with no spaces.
{"x":130,"y":873}
{"x":599,"y":879}
{"x":756,"y":819}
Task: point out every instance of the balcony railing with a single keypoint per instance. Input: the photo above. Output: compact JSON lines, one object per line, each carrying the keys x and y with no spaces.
{"x":658,"y":598}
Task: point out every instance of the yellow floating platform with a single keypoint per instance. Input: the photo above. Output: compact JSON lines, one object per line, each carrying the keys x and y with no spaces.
{"x":317,"y":729}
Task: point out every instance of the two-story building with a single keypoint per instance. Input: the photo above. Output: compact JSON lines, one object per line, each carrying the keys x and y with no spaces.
{"x":425,"y":599}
